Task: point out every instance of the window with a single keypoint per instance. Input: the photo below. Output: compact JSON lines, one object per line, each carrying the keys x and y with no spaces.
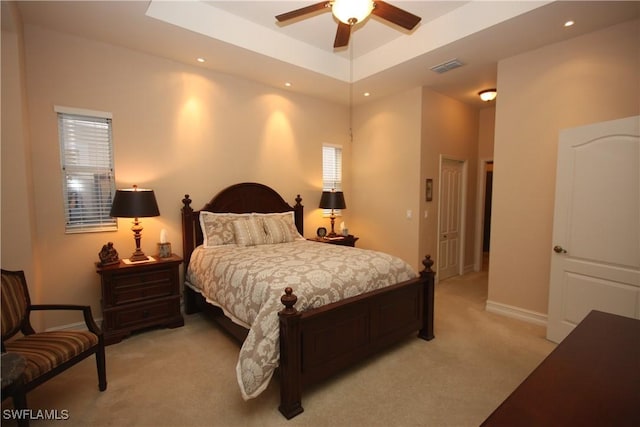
{"x":331,"y":167}
{"x":86,"y":154}
{"x":331,"y":171}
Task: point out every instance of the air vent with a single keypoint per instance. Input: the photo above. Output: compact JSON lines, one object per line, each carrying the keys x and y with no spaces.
{"x":446,"y":66}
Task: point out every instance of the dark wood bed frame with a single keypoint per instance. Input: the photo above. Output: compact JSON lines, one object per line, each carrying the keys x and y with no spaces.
{"x":317,"y":343}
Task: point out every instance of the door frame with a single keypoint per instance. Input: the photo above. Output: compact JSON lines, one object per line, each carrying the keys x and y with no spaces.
{"x":480,"y":219}
{"x":462,"y":210}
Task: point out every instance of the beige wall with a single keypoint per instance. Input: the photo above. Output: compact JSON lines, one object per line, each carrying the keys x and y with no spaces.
{"x":584,"y":80}
{"x":449,"y":130}
{"x":177,"y":129}
{"x":18,"y":220}
{"x":398,"y":143}
{"x":386,"y":175}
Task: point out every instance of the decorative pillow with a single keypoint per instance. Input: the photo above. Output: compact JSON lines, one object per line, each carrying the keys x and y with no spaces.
{"x":249,"y":231}
{"x":278,"y":230}
{"x":217,"y":228}
{"x":287,"y":218}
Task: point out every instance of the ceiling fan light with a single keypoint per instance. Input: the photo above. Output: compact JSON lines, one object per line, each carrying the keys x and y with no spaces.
{"x":351,"y":11}
{"x":488,"y":95}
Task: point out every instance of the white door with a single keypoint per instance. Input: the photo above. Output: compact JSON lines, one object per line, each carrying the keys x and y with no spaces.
{"x":595,"y":259}
{"x":451,"y":179}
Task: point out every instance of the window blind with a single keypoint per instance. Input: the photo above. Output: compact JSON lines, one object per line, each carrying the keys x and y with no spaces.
{"x":331,"y":168}
{"x":331,"y":171}
{"x":87,"y":168}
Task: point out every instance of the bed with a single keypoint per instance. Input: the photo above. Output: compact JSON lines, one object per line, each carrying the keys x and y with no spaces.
{"x":315,"y":337}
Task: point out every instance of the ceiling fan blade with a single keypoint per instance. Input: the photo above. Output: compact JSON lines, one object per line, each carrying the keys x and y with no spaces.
{"x":396,"y":15}
{"x":302,"y":11}
{"x":342,"y":35}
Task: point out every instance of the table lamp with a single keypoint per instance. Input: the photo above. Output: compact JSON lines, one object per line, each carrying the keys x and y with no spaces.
{"x":135,"y":203}
{"x":332,"y":200}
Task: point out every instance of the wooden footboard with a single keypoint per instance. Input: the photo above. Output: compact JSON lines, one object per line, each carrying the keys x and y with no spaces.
{"x":317,"y":343}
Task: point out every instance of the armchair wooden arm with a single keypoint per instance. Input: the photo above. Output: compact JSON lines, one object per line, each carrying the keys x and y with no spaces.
{"x":86,"y":311}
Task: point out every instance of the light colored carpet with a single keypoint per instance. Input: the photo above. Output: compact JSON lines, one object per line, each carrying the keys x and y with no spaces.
{"x":186,"y":376}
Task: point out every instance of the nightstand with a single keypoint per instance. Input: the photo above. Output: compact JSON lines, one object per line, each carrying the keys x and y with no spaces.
{"x":349,"y":240}
{"x":140,"y":295}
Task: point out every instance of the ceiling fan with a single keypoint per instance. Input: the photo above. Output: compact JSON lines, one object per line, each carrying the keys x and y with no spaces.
{"x":351,"y":12}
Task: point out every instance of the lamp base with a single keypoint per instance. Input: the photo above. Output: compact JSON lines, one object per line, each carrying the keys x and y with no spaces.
{"x":333,"y":222}
{"x":138,"y":256}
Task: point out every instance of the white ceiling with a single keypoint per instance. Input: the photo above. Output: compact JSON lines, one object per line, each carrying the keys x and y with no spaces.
{"x":243,"y":38}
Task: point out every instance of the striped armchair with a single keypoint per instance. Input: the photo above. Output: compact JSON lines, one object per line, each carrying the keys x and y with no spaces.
{"x":47,"y":353}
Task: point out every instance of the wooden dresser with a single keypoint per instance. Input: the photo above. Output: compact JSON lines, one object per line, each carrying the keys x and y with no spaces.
{"x":592,"y":378}
{"x":139,"y":296}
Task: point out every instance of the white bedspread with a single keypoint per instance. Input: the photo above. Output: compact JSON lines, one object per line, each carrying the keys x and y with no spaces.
{"x":248,"y":281}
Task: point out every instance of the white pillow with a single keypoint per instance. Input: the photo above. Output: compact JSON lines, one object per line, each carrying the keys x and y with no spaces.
{"x":249,"y":231}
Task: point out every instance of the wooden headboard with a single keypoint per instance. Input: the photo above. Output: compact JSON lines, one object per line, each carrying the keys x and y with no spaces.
{"x":239,"y":198}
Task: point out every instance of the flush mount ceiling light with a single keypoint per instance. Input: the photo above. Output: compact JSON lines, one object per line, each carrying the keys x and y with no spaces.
{"x":488,"y":94}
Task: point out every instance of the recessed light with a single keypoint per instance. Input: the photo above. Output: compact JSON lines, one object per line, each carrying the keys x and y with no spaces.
{"x":366,"y":94}
{"x":287,"y":84}
{"x":569,"y":23}
{"x":200,"y":59}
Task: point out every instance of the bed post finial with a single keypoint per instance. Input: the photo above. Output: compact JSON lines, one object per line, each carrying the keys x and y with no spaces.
{"x":186,"y":202}
{"x":428,"y":263}
{"x":288,"y":300}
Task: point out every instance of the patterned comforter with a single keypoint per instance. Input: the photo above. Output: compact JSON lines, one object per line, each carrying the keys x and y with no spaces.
{"x":248,"y":281}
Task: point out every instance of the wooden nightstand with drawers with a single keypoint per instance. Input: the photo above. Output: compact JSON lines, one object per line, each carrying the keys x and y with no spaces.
{"x":140,"y":295}
{"x":349,"y":240}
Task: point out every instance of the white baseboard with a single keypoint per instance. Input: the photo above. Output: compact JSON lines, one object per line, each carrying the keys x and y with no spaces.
{"x":516,"y":313}
{"x":83,"y":326}
{"x":77,"y":326}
